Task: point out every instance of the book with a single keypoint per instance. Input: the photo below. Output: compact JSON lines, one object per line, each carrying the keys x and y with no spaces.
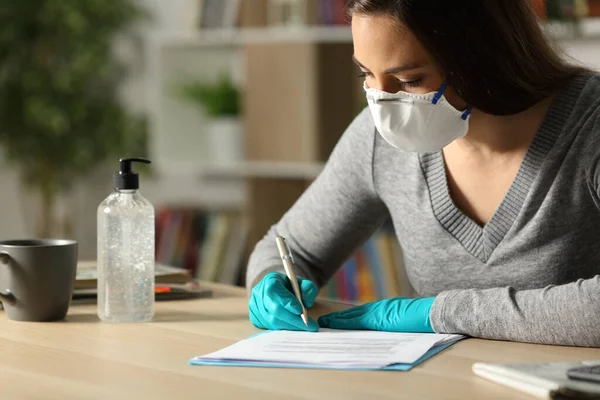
{"x":209,"y":243}
{"x":167,"y":291}
{"x":87,"y":274}
{"x":374,"y":271}
{"x":541,"y":380}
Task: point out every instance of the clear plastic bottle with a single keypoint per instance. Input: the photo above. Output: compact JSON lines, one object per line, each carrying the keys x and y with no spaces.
{"x":126,"y":251}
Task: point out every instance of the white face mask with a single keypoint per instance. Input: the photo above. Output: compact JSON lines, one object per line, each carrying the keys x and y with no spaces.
{"x":416,"y":122}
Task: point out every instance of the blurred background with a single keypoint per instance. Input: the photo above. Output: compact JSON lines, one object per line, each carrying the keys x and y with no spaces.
{"x":237,"y":103}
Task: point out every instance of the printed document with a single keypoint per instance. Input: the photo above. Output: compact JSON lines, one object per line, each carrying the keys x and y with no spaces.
{"x":329,"y":347}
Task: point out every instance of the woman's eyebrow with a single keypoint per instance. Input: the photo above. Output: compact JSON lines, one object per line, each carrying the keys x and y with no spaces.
{"x":395,"y":70}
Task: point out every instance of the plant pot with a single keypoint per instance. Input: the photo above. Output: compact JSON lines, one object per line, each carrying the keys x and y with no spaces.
{"x":225,"y":140}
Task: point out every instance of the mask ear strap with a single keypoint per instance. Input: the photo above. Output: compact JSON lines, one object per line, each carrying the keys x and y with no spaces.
{"x":466,"y":114}
{"x":439,"y":93}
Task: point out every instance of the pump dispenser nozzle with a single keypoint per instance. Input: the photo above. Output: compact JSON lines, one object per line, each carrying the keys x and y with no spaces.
{"x":126,"y":179}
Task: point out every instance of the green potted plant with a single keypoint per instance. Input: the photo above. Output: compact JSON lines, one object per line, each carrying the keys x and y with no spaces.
{"x":60,"y":110}
{"x":220,"y":102}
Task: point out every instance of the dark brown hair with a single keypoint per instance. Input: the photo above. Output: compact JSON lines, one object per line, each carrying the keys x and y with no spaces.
{"x":493,"y":52}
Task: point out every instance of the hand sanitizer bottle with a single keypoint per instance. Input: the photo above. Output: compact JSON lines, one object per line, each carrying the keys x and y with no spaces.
{"x":126,"y":251}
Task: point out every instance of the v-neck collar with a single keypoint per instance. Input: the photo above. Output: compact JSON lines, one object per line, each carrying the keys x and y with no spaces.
{"x":482,"y":241}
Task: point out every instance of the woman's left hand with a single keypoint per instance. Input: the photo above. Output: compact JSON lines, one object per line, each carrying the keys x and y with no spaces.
{"x":397,"y":314}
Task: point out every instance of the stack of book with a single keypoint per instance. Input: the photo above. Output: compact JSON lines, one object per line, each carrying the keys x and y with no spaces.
{"x":171,"y":283}
{"x":210,"y":244}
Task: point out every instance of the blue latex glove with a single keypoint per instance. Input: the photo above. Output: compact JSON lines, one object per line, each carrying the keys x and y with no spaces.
{"x":398,"y":314}
{"x":273,"y":306}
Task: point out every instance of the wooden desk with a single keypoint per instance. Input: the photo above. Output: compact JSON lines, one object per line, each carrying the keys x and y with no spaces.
{"x":82,"y":358}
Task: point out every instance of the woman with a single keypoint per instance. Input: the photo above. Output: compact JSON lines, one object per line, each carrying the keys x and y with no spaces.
{"x":482,"y":146}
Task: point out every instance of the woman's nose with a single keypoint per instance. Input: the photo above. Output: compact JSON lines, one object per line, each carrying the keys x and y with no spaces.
{"x":383,"y":84}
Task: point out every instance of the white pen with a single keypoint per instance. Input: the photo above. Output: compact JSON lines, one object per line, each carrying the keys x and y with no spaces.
{"x":288,"y":265}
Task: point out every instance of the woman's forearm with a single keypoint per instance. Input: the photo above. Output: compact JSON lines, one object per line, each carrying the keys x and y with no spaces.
{"x":566,"y":314}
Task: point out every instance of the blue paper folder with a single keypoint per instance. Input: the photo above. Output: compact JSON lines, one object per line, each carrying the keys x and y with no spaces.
{"x":394,"y":367}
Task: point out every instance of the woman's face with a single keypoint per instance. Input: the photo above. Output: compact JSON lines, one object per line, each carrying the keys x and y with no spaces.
{"x":392,"y":59}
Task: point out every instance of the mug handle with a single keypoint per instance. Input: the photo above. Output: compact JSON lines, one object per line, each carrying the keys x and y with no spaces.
{"x":7,"y":297}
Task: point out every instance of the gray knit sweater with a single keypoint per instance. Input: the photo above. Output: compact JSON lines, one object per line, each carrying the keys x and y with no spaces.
{"x":531,"y":274}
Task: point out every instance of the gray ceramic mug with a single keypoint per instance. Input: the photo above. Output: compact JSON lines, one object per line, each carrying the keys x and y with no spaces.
{"x":37,"y":278}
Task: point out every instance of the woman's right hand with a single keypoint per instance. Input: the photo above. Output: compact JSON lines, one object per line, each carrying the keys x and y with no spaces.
{"x":273,"y":306}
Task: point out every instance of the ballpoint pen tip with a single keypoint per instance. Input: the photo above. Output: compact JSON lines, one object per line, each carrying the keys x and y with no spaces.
{"x":304,"y":319}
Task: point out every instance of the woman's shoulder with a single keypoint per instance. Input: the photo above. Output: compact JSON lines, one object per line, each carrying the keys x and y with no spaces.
{"x":355,"y":145}
{"x":591,"y":88}
{"x":586,"y":90}
{"x":587,"y":109}
{"x":362,"y":125}
{"x":358,"y":136}
{"x":578,"y":110}
{"x":592,"y":78}
{"x":576,"y":106}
